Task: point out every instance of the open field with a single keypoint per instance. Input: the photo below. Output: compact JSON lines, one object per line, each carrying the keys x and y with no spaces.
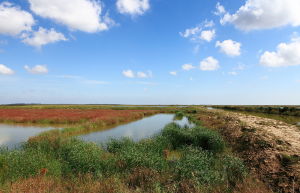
{"x":223,"y":152}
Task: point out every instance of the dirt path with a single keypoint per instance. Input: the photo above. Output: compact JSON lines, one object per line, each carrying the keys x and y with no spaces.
{"x":288,"y":134}
{"x":270,"y":148}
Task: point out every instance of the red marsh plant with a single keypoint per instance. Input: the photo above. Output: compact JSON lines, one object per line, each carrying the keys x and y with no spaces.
{"x":70,"y":116}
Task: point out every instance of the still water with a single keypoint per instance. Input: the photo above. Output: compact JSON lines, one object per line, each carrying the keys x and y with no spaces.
{"x":12,"y":136}
{"x":137,"y":130}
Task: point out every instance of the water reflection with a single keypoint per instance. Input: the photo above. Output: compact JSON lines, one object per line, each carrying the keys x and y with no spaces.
{"x":12,"y":136}
{"x":137,"y":130}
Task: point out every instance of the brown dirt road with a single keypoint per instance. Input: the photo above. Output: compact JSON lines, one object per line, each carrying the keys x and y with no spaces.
{"x":269,"y":147}
{"x":275,"y":130}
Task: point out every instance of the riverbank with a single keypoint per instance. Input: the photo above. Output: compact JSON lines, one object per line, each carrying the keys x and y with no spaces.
{"x":269,"y":147}
{"x":176,"y":160}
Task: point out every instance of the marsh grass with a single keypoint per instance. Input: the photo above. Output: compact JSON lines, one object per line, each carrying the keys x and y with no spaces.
{"x":179,"y":159}
{"x":198,"y":137}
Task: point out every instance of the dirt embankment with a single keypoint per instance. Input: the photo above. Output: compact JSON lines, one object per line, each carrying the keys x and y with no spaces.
{"x":269,"y":147}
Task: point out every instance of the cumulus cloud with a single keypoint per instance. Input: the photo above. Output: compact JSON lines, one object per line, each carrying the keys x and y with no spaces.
{"x":229,"y":47}
{"x":13,"y":20}
{"x":200,"y":32}
{"x":264,"y":14}
{"x":43,"y":36}
{"x":209,"y":64}
{"x":144,"y":74}
{"x":83,"y":15}
{"x":133,"y":7}
{"x":208,"y":35}
{"x":5,"y":70}
{"x":286,"y":54}
{"x":128,"y":73}
{"x":191,"y":32}
{"x":132,"y":74}
{"x":220,"y":10}
{"x":187,"y":67}
{"x":38,"y":69}
{"x":174,"y":73}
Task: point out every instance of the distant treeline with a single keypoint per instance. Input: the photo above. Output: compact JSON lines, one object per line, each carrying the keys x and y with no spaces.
{"x":279,"y":110}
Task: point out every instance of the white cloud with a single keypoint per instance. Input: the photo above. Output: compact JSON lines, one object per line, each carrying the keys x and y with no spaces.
{"x":220,"y":10}
{"x":13,"y":20}
{"x":190,"y":32}
{"x":287,"y":54}
{"x":128,"y":73}
{"x":229,"y":47}
{"x":83,"y":15}
{"x":133,"y":7}
{"x":208,"y":24}
{"x":209,"y":64}
{"x":132,"y":74}
{"x":144,"y":74}
{"x":38,"y":69}
{"x":198,"y":33}
{"x":187,"y":67}
{"x":43,"y":36}
{"x":174,"y":73}
{"x":208,"y":35}
{"x":5,"y":70}
{"x":265,"y":14}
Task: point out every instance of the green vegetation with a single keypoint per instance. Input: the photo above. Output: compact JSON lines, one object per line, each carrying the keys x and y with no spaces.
{"x":288,"y":114}
{"x":91,"y":106}
{"x":197,"y":137}
{"x":201,"y":164}
{"x":279,"y":110}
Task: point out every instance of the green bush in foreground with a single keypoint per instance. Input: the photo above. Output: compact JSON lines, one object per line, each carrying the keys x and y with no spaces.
{"x":26,"y":163}
{"x":201,"y":161}
{"x":146,"y":154}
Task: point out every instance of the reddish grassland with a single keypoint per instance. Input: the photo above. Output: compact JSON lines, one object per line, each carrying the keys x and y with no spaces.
{"x":70,"y":116}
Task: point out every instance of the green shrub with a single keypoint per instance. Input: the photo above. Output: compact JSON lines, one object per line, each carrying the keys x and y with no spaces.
{"x":177,"y":135}
{"x":197,"y":136}
{"x":22,"y":164}
{"x":116,"y":145}
{"x":82,"y":157}
{"x":234,"y":169}
{"x":178,"y":115}
{"x":208,"y":140}
{"x":131,"y":154}
{"x":198,"y":165}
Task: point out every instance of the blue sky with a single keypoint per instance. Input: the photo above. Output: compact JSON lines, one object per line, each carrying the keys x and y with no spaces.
{"x":150,"y":51}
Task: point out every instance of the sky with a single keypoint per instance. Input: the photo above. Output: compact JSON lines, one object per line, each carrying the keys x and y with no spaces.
{"x":150,"y":52}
